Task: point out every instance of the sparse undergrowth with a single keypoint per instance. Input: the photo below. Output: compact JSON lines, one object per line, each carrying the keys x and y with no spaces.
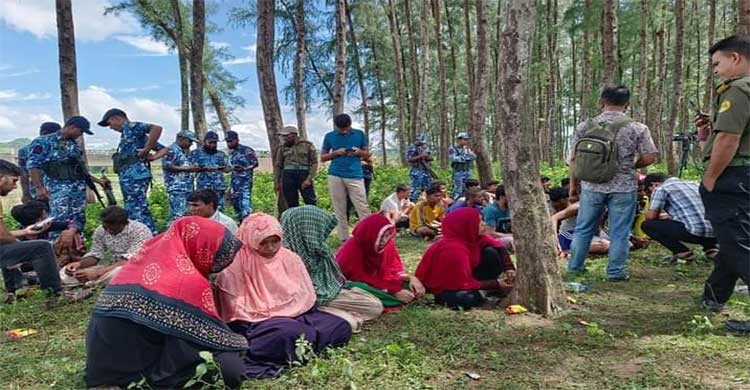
{"x":649,"y":333}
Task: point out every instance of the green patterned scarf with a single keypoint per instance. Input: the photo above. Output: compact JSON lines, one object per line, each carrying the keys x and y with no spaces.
{"x":306,"y":229}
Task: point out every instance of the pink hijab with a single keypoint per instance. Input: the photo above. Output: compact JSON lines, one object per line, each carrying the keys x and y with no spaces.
{"x":255,"y":288}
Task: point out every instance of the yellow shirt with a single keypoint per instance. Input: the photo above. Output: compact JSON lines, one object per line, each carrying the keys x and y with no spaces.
{"x":423,"y":214}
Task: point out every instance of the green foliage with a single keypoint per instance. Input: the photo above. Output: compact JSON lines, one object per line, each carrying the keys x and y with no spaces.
{"x":699,"y":326}
{"x":158,"y":203}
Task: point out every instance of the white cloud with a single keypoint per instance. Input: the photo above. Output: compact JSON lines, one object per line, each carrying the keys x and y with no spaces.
{"x":37,"y":96}
{"x":38,"y":18}
{"x":6,"y":123}
{"x":219,"y":45}
{"x":137,"y":89}
{"x":8,"y":93}
{"x":17,"y":73}
{"x":145,"y":43}
{"x":248,"y":59}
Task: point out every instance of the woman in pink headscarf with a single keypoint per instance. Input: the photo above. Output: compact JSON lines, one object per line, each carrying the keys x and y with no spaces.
{"x":267,"y":296}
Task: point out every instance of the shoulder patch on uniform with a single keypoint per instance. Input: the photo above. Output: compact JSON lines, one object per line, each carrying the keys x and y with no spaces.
{"x":725,"y":106}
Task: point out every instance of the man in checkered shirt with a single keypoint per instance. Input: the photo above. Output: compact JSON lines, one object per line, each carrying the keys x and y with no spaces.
{"x":686,"y":222}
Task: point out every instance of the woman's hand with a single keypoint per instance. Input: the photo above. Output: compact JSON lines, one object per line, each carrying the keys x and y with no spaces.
{"x":405,"y":296}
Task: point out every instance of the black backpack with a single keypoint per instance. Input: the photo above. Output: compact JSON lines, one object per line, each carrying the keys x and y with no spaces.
{"x":596,"y":152}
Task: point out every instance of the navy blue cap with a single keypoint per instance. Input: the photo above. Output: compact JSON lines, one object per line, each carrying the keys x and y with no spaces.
{"x":49,"y":128}
{"x":231,"y":136}
{"x":109,"y":114}
{"x":211,"y":136}
{"x":81,"y":123}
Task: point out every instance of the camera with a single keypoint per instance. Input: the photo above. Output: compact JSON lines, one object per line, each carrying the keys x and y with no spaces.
{"x":685,"y":137}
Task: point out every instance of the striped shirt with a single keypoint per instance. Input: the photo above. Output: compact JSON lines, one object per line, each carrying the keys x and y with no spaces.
{"x":682,"y":201}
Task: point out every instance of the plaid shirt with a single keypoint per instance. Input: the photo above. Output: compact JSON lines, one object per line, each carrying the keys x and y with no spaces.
{"x":682,"y":202}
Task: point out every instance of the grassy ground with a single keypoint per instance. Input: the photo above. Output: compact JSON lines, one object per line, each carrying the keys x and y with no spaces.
{"x":648,"y":333}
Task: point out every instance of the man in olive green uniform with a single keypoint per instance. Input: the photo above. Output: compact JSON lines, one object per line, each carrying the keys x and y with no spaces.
{"x":296,"y":166}
{"x":725,"y":189}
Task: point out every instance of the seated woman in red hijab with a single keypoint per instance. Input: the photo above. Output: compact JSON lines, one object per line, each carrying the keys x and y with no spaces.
{"x":370,"y":261}
{"x":463,"y":262}
{"x":157,"y":315}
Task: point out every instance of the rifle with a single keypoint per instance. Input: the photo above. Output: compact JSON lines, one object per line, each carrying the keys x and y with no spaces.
{"x":427,"y":168}
{"x":81,"y":167}
{"x":111,"y":201}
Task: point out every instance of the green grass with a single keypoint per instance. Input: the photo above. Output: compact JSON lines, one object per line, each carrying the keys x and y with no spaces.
{"x":640,"y":337}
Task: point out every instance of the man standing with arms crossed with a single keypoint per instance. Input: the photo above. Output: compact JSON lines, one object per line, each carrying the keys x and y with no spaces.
{"x":725,"y":189}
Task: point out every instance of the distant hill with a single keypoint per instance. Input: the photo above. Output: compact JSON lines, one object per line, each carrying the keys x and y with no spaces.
{"x":12,"y":146}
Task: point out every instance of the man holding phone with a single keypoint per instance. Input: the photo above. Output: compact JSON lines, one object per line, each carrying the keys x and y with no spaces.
{"x":345,"y":148}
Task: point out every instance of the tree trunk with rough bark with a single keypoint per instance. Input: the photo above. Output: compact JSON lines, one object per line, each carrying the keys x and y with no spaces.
{"x":221,"y":111}
{"x":401,"y":123}
{"x":538,"y":284}
{"x":643,"y":77}
{"x":339,"y":78}
{"x":184,"y":61}
{"x":196,"y":68}
{"x":445,"y":138}
{"x":300,"y":103}
{"x":66,"y":45}
{"x":709,"y":88}
{"x":358,"y":68}
{"x":586,"y":74}
{"x":609,"y":42}
{"x":479,"y":96}
{"x":424,"y":81}
{"x":413,"y":62}
{"x":383,"y":109}
{"x":743,"y":16}
{"x":470,"y":77}
{"x":677,"y":80}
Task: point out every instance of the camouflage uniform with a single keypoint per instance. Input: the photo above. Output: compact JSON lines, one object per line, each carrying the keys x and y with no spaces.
{"x":211,"y":180}
{"x":242,"y":182}
{"x":135,"y":176}
{"x":461,"y":159}
{"x":419,"y":171}
{"x":294,"y":165}
{"x":177,"y":184}
{"x":67,"y":196}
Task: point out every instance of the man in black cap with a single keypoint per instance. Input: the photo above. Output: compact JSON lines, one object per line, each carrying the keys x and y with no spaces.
{"x":29,"y":192}
{"x":296,"y":166}
{"x":211,"y":163}
{"x":243,"y":161}
{"x":137,"y":139}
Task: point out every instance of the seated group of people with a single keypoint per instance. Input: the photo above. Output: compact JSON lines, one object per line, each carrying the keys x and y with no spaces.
{"x":248,"y":298}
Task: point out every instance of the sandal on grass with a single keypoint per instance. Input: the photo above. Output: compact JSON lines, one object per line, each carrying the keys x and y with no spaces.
{"x":688,"y":257}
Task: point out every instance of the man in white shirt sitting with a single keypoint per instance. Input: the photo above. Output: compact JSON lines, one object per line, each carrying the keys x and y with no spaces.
{"x":204,"y":203}
{"x":397,"y":206}
{"x":112,"y":244}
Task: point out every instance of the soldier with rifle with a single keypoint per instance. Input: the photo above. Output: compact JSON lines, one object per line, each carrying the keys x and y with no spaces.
{"x":419,"y":156}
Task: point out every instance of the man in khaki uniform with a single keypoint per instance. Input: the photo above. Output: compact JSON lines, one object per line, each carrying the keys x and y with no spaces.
{"x":296,"y":166}
{"x":725,"y":189}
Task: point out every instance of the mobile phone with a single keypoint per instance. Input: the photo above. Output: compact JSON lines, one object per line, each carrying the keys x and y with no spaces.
{"x":40,"y":225}
{"x":349,"y":150}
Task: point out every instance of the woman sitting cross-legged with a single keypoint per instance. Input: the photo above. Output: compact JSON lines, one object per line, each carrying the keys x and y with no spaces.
{"x":370,"y":260}
{"x":463,"y":262}
{"x":157,"y":314}
{"x":306,"y":229}
{"x":267,"y":296}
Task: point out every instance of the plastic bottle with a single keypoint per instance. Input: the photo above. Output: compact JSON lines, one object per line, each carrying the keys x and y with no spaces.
{"x":576,"y":287}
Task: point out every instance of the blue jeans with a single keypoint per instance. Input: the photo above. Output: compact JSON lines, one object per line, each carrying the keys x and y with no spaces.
{"x":621,"y":207}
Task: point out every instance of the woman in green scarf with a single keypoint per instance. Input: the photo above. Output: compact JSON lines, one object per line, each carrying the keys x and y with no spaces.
{"x":306,"y":229}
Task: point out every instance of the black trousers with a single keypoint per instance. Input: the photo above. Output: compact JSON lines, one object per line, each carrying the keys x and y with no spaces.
{"x":490,"y":267}
{"x":728,"y":209}
{"x":672,"y":234}
{"x":291,"y":184}
{"x":39,"y":254}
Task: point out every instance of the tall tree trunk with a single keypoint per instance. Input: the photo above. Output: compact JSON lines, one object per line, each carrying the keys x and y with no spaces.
{"x":709,"y":88}
{"x":470,"y":77}
{"x":454,"y":88}
{"x":221,"y":111}
{"x":196,"y":68}
{"x":743,"y":16}
{"x":358,"y":67}
{"x":339,"y":78}
{"x":300,"y":103}
{"x":415,"y":79}
{"x":586,"y":74}
{"x":424,"y":81}
{"x":381,"y":100}
{"x":498,"y":117}
{"x":552,"y":94}
{"x":643,"y":77}
{"x":539,"y":284}
{"x":445,"y":138}
{"x":479,"y":97}
{"x":574,"y":75}
{"x":609,"y":42}
{"x":400,"y":90}
{"x":66,"y":45}
{"x":679,"y":14}
{"x":184,"y":61}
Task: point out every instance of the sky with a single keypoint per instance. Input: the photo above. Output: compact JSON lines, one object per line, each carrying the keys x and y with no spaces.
{"x":119,"y":65}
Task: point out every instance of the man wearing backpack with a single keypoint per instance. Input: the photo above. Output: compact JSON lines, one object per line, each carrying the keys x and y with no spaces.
{"x":606,"y":150}
{"x":725,"y":188}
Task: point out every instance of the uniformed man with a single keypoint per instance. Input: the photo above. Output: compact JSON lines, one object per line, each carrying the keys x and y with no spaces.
{"x":178,"y":173}
{"x":461,"y":158}
{"x":131,"y":162}
{"x":419,"y":156}
{"x":296,"y":166}
{"x":212,"y":164}
{"x":243,"y":161}
{"x":28,"y":192}
{"x":725,"y":189}
{"x":63,"y":184}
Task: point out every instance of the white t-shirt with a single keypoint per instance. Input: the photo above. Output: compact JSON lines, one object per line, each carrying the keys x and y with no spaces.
{"x":393,"y":204}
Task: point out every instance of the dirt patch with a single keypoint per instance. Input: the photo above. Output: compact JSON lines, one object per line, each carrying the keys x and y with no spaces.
{"x":528,"y":320}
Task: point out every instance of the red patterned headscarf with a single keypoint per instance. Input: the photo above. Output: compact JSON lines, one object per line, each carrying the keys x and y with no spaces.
{"x":165,"y":286}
